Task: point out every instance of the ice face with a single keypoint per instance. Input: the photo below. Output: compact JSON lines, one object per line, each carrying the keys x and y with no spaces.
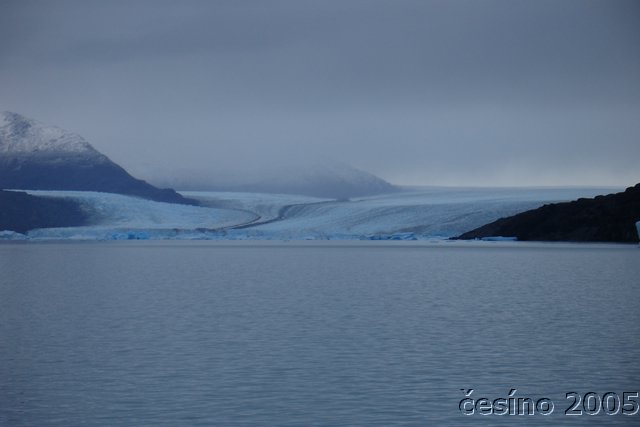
{"x":11,"y":235}
{"x":425,"y":214}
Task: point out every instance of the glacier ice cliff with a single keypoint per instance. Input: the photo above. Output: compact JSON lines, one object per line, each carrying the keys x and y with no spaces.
{"x":429,"y":213}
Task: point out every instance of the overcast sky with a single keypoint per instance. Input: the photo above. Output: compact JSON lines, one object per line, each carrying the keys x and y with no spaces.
{"x":469,"y":92}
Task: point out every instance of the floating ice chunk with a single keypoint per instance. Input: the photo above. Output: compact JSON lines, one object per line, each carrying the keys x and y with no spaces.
{"x":394,"y":236}
{"x":12,"y":235}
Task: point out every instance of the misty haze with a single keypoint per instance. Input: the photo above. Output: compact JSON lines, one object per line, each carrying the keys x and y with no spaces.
{"x":421,"y":93}
{"x":340,"y":213}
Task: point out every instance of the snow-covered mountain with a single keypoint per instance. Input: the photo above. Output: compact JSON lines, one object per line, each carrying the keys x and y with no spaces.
{"x":315,"y":178}
{"x":40,"y":157}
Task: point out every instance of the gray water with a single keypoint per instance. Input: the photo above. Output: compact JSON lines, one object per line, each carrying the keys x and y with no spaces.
{"x":181,"y":333}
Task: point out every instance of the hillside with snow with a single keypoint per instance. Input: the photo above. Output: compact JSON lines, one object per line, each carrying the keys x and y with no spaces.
{"x":36,"y":156}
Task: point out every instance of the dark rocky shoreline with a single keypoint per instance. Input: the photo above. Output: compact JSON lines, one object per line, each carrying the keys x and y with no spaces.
{"x":609,"y":218}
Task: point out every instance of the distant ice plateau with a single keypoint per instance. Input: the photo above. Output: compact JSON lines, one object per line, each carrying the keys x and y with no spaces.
{"x":420,"y":214}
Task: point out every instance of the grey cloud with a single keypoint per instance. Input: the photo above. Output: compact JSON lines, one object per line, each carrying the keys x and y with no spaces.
{"x":420,"y":91}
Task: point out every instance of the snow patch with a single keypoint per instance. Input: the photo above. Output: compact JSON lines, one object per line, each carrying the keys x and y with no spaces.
{"x":21,"y":135}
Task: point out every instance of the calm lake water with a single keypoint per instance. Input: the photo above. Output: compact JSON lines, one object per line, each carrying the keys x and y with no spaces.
{"x":319,"y":333}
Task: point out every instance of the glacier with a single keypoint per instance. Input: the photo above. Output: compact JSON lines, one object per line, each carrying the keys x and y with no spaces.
{"x":418,"y":214}
{"x":119,"y":217}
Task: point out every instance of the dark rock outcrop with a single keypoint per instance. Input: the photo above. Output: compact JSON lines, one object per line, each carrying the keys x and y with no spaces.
{"x":21,"y":212}
{"x":609,"y":218}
